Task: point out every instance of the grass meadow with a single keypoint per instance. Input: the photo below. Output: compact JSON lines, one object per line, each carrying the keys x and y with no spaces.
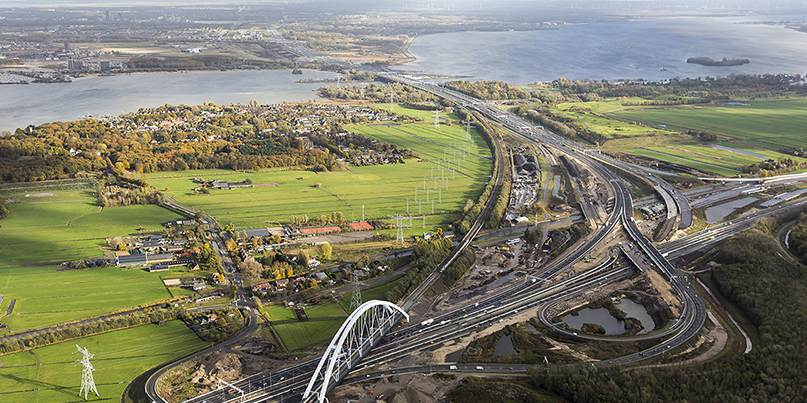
{"x":324,"y":319}
{"x":40,"y":234}
{"x":380,"y":190}
{"x":299,"y":335}
{"x":769,"y":124}
{"x":48,"y":374}
{"x":751,"y":132}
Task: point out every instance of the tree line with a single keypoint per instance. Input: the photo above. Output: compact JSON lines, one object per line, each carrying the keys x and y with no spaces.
{"x":426,"y":255}
{"x":198,"y":137}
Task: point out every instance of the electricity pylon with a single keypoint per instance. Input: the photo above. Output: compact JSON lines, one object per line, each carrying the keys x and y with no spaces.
{"x":87,"y":381}
{"x":399,"y":237}
{"x":355,"y":298}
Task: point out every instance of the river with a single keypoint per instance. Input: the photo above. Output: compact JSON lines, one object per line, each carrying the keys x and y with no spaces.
{"x":616,"y":50}
{"x":22,"y":105}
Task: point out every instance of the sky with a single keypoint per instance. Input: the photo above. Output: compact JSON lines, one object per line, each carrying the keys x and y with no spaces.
{"x":758,"y":4}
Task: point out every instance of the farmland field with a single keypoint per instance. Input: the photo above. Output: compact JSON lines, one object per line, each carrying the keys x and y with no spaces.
{"x":424,"y":115}
{"x":297,"y":335}
{"x":589,"y":115}
{"x":771,"y":125}
{"x":664,"y":156}
{"x":40,"y":234}
{"x":48,"y":374}
{"x":379,"y":190}
{"x":747,"y":133}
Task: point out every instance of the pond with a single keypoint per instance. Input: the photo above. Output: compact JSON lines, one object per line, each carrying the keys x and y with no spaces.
{"x":716,"y":213}
{"x":504,"y":346}
{"x":599,"y":316}
{"x":637,"y":311}
{"x":453,"y":357}
{"x":612,"y":325}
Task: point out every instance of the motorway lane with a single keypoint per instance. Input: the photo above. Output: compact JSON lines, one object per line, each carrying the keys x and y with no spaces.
{"x":709,"y":237}
{"x":693,"y":306}
{"x":434,"y":335}
{"x":694,"y":309}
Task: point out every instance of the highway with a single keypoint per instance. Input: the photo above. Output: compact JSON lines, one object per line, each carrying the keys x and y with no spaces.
{"x":713,"y":235}
{"x":540,"y":292}
{"x":694,"y":310}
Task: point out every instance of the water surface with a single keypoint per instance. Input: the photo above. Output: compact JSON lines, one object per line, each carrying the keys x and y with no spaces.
{"x":616,"y":50}
{"x":717,"y":213}
{"x":23,"y":105}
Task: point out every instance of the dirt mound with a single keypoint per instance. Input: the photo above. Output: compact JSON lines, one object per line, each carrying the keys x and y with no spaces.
{"x":227,"y":367}
{"x":410,"y":395}
{"x":256,"y":346}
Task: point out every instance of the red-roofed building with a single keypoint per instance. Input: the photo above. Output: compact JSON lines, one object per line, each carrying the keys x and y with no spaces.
{"x":320,"y":230}
{"x":262,"y":287}
{"x":360,"y":226}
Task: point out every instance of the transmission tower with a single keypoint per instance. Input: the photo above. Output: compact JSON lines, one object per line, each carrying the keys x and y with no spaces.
{"x":467,"y":130}
{"x":355,"y":299}
{"x":399,"y":225}
{"x":87,"y":381}
{"x":392,"y":101}
{"x":436,"y":119}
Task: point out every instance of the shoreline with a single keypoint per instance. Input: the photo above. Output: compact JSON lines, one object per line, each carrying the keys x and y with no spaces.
{"x":96,"y":75}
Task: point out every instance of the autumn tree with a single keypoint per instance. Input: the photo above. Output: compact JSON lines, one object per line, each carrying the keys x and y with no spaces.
{"x":325,"y":251}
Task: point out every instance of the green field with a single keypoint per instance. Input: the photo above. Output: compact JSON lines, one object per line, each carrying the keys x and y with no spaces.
{"x":381,"y":189}
{"x":297,"y":335}
{"x":424,"y":115}
{"x":367,"y":295}
{"x":38,"y":235}
{"x":770,"y":124}
{"x":762,"y":128}
{"x":48,"y":374}
{"x":647,"y":152}
{"x":590,"y":115}
{"x":324,"y":319}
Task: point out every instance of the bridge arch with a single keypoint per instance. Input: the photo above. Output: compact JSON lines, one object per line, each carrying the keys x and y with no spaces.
{"x":357,"y":335}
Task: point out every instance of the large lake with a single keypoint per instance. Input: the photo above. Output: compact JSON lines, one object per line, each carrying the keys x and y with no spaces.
{"x":626,"y":49}
{"x":22,"y":105}
{"x":614,"y":50}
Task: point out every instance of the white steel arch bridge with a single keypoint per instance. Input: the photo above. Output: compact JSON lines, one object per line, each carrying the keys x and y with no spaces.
{"x":358,"y":334}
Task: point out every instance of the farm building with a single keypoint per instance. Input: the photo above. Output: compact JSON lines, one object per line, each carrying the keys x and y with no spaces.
{"x":224,"y":185}
{"x":360,"y":226}
{"x":131,"y":260}
{"x":320,"y":230}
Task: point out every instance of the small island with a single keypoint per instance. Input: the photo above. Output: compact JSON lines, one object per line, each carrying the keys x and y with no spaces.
{"x":706,"y":61}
